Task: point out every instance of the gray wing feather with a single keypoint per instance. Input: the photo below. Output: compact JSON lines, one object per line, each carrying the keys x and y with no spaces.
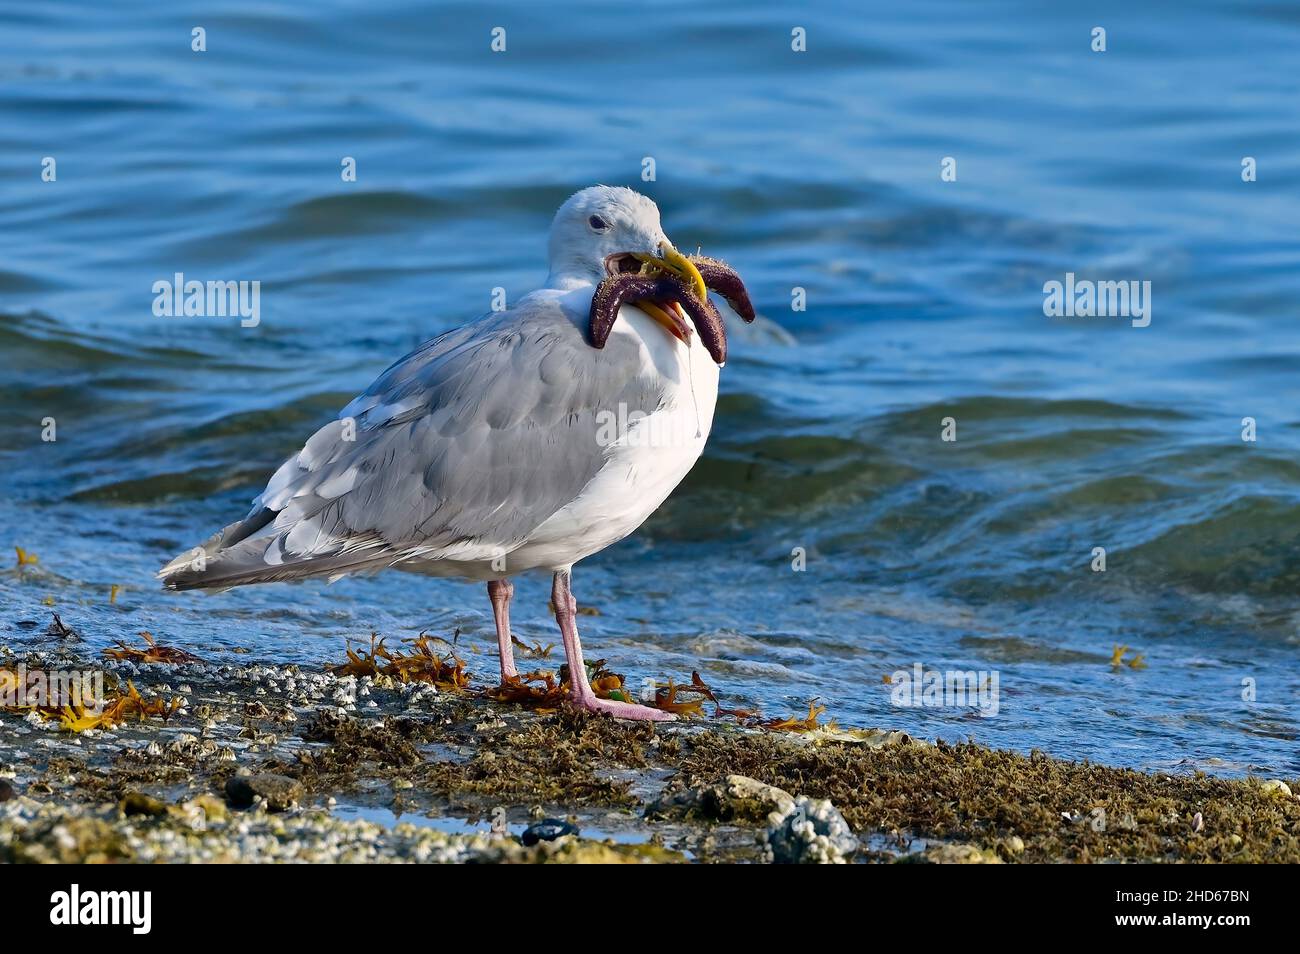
{"x":458,"y":451}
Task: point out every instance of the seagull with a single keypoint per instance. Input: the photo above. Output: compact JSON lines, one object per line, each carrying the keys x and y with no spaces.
{"x":507,"y":445}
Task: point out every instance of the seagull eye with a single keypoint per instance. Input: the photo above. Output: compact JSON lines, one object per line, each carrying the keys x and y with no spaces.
{"x":597,"y":223}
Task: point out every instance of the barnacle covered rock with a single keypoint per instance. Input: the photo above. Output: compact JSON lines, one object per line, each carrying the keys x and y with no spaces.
{"x":737,"y":798}
{"x":809,"y":832}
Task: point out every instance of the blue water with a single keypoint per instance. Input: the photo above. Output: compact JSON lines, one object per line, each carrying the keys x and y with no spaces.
{"x":818,"y":170}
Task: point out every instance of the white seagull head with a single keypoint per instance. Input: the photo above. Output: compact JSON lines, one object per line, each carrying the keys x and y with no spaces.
{"x":599,"y":230}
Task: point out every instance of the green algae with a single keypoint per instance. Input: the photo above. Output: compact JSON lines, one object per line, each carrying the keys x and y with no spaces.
{"x":986,"y":797}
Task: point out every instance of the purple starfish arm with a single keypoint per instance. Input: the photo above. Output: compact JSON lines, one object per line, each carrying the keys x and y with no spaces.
{"x":611,"y":295}
{"x":722,"y":278}
{"x":707,"y":320}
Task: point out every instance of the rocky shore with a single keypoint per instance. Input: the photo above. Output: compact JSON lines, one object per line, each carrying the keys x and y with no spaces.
{"x":257,"y":763}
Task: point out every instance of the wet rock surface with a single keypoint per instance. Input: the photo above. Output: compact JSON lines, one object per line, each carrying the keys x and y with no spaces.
{"x":279,"y":792}
{"x":736,"y":798}
{"x":959,"y":855}
{"x":548,"y":829}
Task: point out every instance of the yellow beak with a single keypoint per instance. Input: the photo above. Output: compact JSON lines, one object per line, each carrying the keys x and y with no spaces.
{"x":671,"y":260}
{"x":676,"y":327}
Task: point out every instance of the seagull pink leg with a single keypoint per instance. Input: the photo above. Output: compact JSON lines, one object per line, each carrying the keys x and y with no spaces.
{"x":500,"y":592}
{"x":580,"y":694}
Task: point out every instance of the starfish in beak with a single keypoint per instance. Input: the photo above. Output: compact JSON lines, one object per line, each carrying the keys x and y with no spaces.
{"x":669,"y":287}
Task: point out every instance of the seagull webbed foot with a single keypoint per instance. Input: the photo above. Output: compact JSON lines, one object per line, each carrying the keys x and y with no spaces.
{"x":581,"y":695}
{"x":620,"y":710}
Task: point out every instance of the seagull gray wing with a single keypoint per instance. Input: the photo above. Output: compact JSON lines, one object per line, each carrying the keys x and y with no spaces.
{"x":458,"y":451}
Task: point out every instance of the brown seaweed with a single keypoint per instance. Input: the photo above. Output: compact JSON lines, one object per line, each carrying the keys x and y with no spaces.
{"x":116,"y":708}
{"x":151,"y":653}
{"x":424,"y":664}
{"x":549,"y":690}
{"x":536,"y":649}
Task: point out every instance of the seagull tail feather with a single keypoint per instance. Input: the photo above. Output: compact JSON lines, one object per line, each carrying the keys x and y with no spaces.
{"x":198,"y":567}
{"x":238,"y":555}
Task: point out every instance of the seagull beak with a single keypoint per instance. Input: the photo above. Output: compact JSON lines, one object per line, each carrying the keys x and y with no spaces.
{"x":670,"y":316}
{"x":671,"y":260}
